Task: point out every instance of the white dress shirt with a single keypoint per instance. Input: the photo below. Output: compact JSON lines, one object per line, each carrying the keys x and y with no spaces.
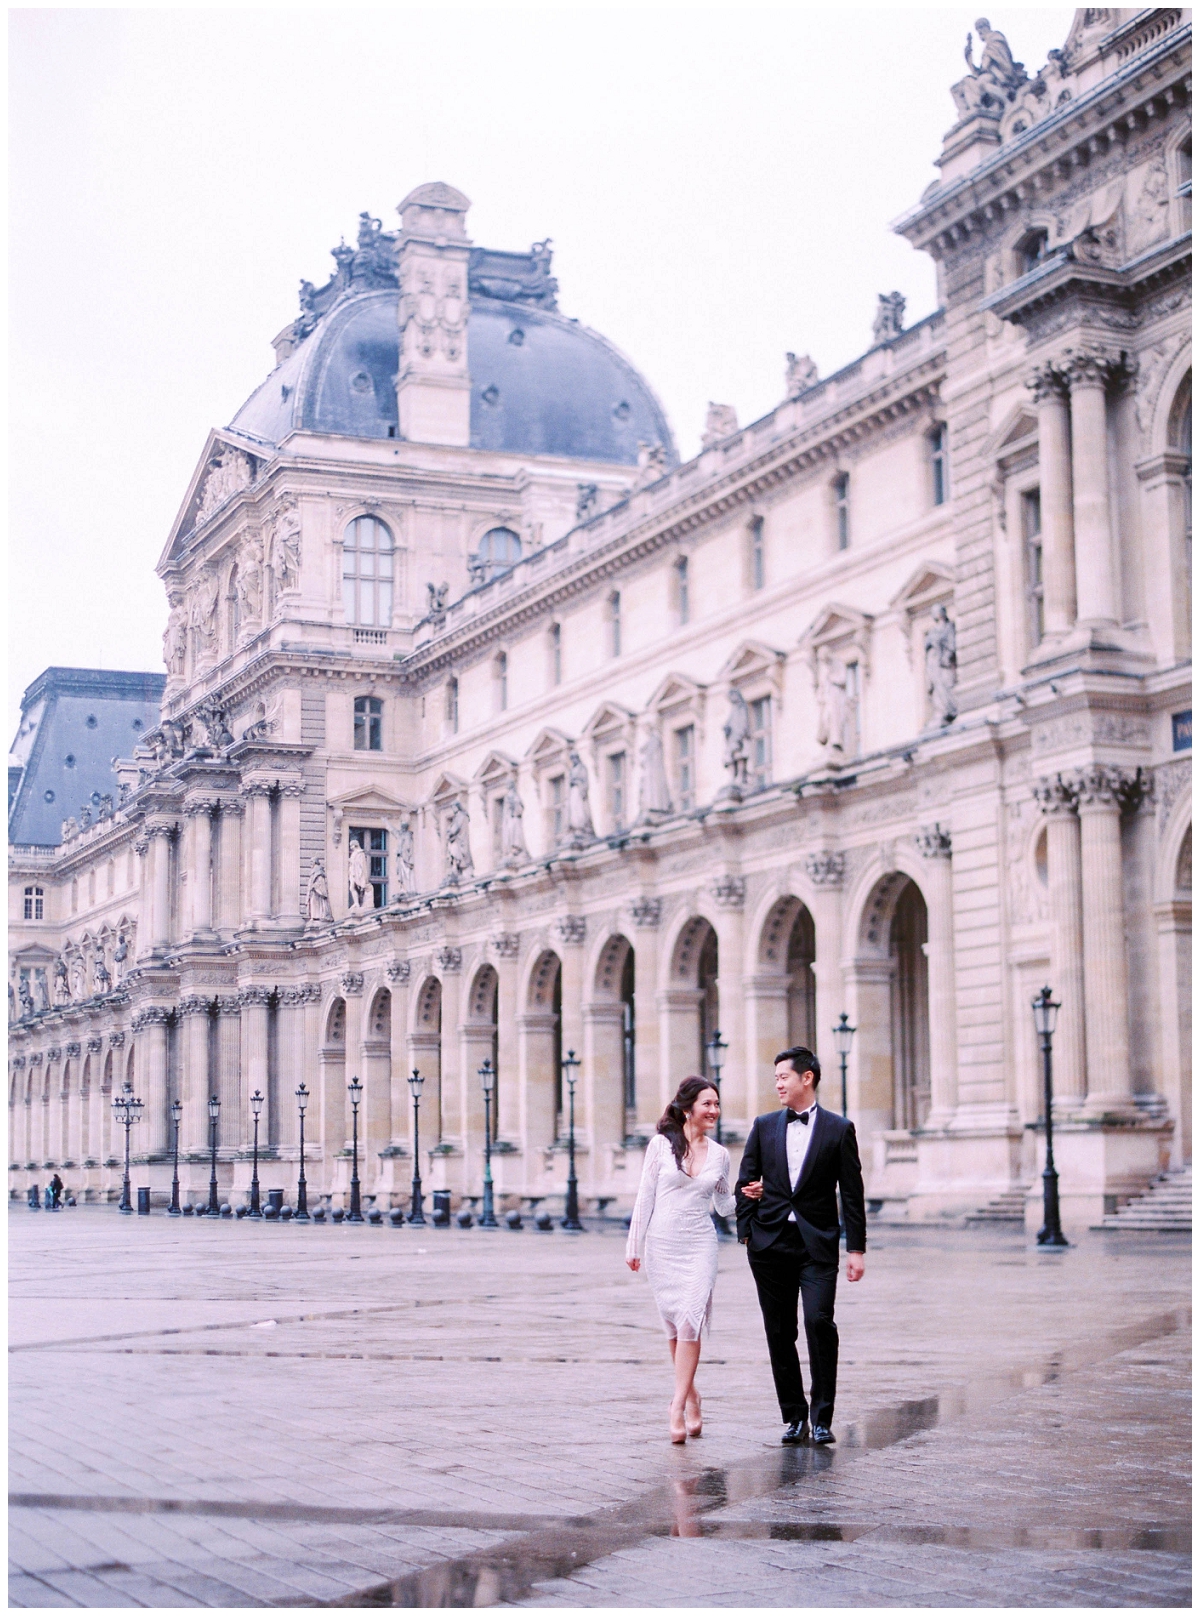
{"x":799,"y":1137}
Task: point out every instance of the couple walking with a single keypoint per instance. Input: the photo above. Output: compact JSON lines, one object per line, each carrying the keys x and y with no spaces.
{"x":787,"y":1217}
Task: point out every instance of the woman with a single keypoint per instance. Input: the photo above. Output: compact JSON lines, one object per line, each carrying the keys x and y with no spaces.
{"x":685,"y":1174}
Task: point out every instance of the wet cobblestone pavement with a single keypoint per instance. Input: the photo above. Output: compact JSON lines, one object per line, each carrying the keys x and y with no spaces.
{"x":232,"y":1415}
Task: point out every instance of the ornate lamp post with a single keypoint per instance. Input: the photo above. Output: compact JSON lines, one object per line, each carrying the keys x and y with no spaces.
{"x":716,"y":1059}
{"x":843,"y":1037}
{"x":1045,"y":1014}
{"x":214,"y":1200}
{"x":129,"y":1111}
{"x":416,"y":1212}
{"x":176,"y":1117}
{"x":302,"y":1186}
{"x":487,"y":1077}
{"x":256,"y":1105}
{"x":571,"y":1221}
{"x":355,"y":1213}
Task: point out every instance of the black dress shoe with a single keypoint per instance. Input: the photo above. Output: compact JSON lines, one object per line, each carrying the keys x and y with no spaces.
{"x":795,"y":1432}
{"x":822,"y":1436}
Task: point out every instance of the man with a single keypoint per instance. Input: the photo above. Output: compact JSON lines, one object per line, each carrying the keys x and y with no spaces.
{"x":788,"y":1218}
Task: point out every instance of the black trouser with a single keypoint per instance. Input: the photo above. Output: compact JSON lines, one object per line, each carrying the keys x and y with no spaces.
{"x":785,"y":1273}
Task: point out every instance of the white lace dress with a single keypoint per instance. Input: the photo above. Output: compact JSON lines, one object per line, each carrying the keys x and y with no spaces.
{"x":672,"y":1233}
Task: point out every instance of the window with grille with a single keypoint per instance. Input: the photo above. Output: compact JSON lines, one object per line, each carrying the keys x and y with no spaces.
{"x":616,"y":790}
{"x":760,"y":742}
{"x":35,"y":903}
{"x":556,"y":666}
{"x":367,"y":557}
{"x":758,"y":559}
{"x":939,"y":464}
{"x":614,"y":622}
{"x":1035,"y":589}
{"x":452,"y":705}
{"x":685,"y":767}
{"x":683,"y":603}
{"x":374,"y":845}
{"x":502,"y":680}
{"x":368,"y":724}
{"x":841,"y":505}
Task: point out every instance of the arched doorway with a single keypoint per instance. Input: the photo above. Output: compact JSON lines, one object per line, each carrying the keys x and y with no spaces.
{"x":542,"y":1051}
{"x":692,"y":1002}
{"x":610,"y":1029}
{"x":910,"y":1008}
{"x":334,"y":1106}
{"x":425,"y":1046}
{"x":484,"y":1035}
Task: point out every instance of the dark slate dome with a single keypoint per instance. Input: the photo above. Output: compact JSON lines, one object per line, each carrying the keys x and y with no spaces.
{"x":540,"y":383}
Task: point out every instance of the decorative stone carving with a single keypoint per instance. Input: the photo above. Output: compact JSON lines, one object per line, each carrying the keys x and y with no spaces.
{"x":406,"y":859}
{"x":255,"y":994}
{"x":580,"y":829}
{"x":460,"y":866}
{"x":120,"y":959}
{"x":654,"y":793}
{"x":359,"y":875}
{"x":512,"y":829}
{"x":720,"y":422}
{"x":1103,"y":785}
{"x":229,"y":470}
{"x":95,"y":1045}
{"x":587,"y":501}
{"x":228,"y":1004}
{"x":652,"y":464}
{"x":825,"y":868}
{"x":36,"y":1058}
{"x":210,"y":715}
{"x":933,"y":841}
{"x":889,"y":318}
{"x":73,"y":1050}
{"x":1054,"y":795}
{"x":101,"y":980}
{"x":78,"y":977}
{"x":1148,"y":222}
{"x":736,"y":730}
{"x":729,"y":891}
{"x":175,"y":637}
{"x":399,"y":971}
{"x":449,"y":960}
{"x":62,"y":986}
{"x":801,"y":374}
{"x":436,"y":609}
{"x":53,"y":1054}
{"x":150,"y":1015}
{"x":195,"y":1004}
{"x":941,"y":666}
{"x":433,"y":310}
{"x":571,"y":929}
{"x":991,"y":85}
{"x":506,"y":944}
{"x":351,"y":984}
{"x":646,"y":912}
{"x":250,"y":587}
{"x":286,"y":548}
{"x":831,"y":701}
{"x":318,"y":911}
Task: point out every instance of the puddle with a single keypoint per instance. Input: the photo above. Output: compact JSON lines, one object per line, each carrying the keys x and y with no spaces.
{"x":510,"y":1570}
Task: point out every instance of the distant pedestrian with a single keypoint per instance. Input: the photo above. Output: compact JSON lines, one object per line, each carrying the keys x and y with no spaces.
{"x":685,"y":1174}
{"x":56,"y":1189}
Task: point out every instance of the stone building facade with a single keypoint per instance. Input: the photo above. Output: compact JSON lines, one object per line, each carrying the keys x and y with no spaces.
{"x":492,"y":732}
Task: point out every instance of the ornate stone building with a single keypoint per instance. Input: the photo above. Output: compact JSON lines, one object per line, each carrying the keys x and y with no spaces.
{"x":492,"y":732}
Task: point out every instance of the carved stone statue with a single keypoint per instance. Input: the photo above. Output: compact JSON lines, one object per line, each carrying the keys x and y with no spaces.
{"x":654,"y":794}
{"x":70,"y":828}
{"x":460,"y":866}
{"x":120,"y":956}
{"x":217,"y":733}
{"x":438,"y":595}
{"x":41,"y":992}
{"x":889,"y":317}
{"x":202,"y":612}
{"x":801,"y":374}
{"x":250,"y":586}
{"x":721,"y":422}
{"x":406,"y":859}
{"x":25,"y":996}
{"x":359,"y":870}
{"x":175,"y":637}
{"x":228,"y":471}
{"x":77,"y":976}
{"x":941,"y":666}
{"x":62,"y":987}
{"x":587,"y":501}
{"x":736,"y":730}
{"x":990,"y":86}
{"x":512,"y":826}
{"x":287,"y":549}
{"x":318,"y":911}
{"x":579,"y":812}
{"x":101,"y":980}
{"x":831,"y":700}
{"x":652,"y":463}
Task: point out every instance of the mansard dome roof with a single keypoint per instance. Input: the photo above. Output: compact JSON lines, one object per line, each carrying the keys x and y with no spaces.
{"x":540,"y":383}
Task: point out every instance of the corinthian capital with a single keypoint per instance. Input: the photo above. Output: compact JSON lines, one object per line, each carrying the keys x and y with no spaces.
{"x":1054,"y":794}
{"x":1092,"y":367}
{"x":933,"y":841}
{"x":1046,"y":381}
{"x":1106,"y":788}
{"x":826,"y":868}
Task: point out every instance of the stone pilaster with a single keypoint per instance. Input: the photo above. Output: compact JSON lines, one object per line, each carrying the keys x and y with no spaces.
{"x":935,"y":846}
{"x":198,"y":812}
{"x":1056,"y":798}
{"x":1049,"y":390}
{"x":150,"y":1029}
{"x":1096,"y":579}
{"x":258,"y":831}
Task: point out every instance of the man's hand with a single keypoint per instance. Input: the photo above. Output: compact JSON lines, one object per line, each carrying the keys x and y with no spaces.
{"x":753,"y":1192}
{"x":856,"y":1265}
{"x":634,"y":1262}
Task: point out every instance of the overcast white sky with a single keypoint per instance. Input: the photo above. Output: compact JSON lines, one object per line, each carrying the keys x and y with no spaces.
{"x":718,"y":184}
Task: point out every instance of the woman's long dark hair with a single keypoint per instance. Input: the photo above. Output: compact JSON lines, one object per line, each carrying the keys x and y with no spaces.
{"x":673,"y":1118}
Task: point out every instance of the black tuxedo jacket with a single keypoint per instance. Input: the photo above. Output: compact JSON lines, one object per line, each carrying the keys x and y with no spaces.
{"x":831,"y":1163}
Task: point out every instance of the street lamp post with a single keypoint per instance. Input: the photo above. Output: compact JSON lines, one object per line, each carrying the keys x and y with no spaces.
{"x":487,"y":1077}
{"x":256,"y":1105}
{"x":843,"y":1037}
{"x":214,"y":1200}
{"x":416,"y":1212}
{"x":176,"y":1117}
{"x":355,"y":1213}
{"x":1045,"y":1014}
{"x":716,"y":1060}
{"x":571,"y":1221}
{"x":129,"y":1111}
{"x":302,"y":1186}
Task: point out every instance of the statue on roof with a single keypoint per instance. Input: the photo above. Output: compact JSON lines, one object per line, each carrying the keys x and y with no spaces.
{"x":992,"y":83}
{"x":800,"y":375}
{"x":889,"y":318}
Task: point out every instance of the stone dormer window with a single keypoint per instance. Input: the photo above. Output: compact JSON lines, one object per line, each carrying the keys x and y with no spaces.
{"x":1031,"y":250}
{"x":368,"y":551}
{"x":499,"y":550}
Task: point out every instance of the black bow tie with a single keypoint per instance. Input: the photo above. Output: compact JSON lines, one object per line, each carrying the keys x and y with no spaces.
{"x":799,"y":1116}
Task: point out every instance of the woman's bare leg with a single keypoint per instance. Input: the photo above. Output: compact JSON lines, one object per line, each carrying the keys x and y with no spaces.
{"x":686,"y":1356}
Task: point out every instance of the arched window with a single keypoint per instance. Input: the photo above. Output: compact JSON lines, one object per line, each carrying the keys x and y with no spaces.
{"x":367,"y":557}
{"x":1031,"y":250}
{"x":499,"y":549}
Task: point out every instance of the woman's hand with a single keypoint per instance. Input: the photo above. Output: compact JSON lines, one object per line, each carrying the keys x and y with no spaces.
{"x":753,"y":1192}
{"x":634,"y":1262}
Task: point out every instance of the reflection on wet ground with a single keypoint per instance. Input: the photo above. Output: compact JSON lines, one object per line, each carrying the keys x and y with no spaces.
{"x":509,"y":1570}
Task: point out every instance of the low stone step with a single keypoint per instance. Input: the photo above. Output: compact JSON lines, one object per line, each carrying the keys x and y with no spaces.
{"x":1008,"y":1207}
{"x":1164,"y":1208}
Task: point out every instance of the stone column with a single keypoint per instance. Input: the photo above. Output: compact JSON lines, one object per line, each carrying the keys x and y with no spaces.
{"x":1096,"y":582}
{"x":199,"y":812}
{"x":1058,"y":532}
{"x":150,"y":1025}
{"x":159,"y":833}
{"x":1102,"y":792}
{"x":227,"y":1080}
{"x":229,"y":899}
{"x":934,"y":844}
{"x":600,"y":1095}
{"x":258,"y":831}
{"x":255,"y":1002}
{"x":398,"y":975}
{"x":767,"y":1034}
{"x":504,"y":948}
{"x":351,"y":985}
{"x":738,"y":1077}
{"x":826,"y":870}
{"x":448,"y":964}
{"x":193,"y":1131}
{"x":1065,"y":887}
{"x":649,"y":1076}
{"x":571,"y":932}
{"x":290,"y":793}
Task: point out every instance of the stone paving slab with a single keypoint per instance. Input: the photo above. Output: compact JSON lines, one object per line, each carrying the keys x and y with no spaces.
{"x":475,"y":1394}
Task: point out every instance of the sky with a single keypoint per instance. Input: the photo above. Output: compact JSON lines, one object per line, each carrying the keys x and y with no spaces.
{"x":718,"y":184}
